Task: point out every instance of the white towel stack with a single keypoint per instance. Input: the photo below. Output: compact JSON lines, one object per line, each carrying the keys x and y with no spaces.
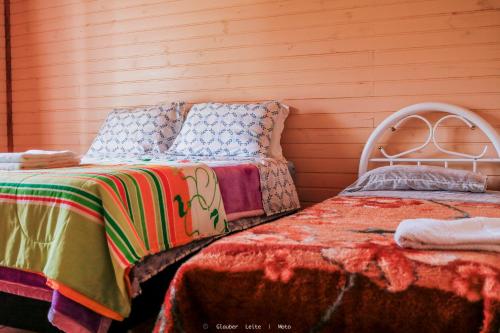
{"x":38,"y":159}
{"x":476,"y":233}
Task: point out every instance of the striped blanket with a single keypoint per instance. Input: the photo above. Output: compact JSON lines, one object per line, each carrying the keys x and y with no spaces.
{"x":83,"y":228}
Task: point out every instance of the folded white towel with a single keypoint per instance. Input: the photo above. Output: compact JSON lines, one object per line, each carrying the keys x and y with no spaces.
{"x":36,"y":155}
{"x":68,"y":162}
{"x":477,"y":233}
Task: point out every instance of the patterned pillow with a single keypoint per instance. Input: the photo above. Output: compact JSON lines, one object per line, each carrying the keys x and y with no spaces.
{"x":142,"y":132}
{"x":227,"y":130}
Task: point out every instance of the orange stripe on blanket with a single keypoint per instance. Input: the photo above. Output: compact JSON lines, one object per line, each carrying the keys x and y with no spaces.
{"x":174,"y":180}
{"x":170,"y":238}
{"x":85,"y":301}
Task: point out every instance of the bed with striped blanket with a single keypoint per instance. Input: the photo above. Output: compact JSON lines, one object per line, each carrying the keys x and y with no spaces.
{"x":82,"y":229}
{"x":80,"y":243}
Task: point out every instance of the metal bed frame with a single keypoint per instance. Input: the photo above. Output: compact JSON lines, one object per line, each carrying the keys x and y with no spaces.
{"x":414,"y":111}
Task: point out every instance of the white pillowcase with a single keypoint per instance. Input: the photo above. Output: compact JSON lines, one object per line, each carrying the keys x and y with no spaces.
{"x":232,"y":130}
{"x":142,"y":132}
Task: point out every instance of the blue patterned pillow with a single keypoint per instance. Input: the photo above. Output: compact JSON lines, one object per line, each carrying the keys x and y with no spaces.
{"x":227,"y":130}
{"x":143,"y":132}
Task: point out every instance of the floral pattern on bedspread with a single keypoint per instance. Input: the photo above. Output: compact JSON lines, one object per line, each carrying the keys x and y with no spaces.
{"x":335,"y":266}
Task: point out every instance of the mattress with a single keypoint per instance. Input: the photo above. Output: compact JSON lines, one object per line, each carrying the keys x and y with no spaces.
{"x":335,"y":267}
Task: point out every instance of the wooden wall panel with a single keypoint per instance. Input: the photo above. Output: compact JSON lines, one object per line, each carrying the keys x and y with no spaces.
{"x":3,"y":93}
{"x":341,"y":65}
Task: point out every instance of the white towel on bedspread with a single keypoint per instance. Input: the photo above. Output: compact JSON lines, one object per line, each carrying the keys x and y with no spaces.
{"x":40,"y":165}
{"x":477,"y":233}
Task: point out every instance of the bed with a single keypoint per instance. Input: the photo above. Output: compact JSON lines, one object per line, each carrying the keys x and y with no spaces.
{"x":246,"y":202}
{"x":335,"y":267}
{"x":82,"y":240}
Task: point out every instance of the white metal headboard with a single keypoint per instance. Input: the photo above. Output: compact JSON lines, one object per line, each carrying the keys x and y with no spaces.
{"x":394,"y":121}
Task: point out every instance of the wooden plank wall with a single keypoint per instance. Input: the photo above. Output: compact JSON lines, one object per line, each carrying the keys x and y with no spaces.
{"x":341,"y":65}
{"x":3,"y":93}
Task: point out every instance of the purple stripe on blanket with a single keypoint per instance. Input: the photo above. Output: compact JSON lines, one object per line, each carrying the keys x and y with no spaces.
{"x":240,"y":189}
{"x":70,"y":316}
{"x":25,"y":284}
{"x":65,"y":314}
{"x":18,"y":276}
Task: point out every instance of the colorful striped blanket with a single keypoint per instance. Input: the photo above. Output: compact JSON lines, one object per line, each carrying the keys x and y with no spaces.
{"x":83,"y":228}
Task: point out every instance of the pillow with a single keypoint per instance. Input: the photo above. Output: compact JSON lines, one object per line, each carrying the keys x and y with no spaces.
{"x":141,"y":132}
{"x":276,"y":150}
{"x":229,"y":130}
{"x":419,"y":178}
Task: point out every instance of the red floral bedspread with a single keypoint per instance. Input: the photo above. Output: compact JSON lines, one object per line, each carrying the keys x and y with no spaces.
{"x":334,"y":267}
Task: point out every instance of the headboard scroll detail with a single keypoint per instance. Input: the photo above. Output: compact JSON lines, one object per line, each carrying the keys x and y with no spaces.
{"x":395,"y":120}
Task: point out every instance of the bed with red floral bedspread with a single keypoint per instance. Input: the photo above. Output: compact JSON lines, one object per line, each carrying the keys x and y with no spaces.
{"x":334,"y":267}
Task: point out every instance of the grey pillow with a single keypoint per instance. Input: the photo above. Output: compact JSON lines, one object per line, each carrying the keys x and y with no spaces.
{"x":419,"y":178}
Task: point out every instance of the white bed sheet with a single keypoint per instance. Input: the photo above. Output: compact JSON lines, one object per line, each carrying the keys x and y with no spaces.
{"x":487,"y":197}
